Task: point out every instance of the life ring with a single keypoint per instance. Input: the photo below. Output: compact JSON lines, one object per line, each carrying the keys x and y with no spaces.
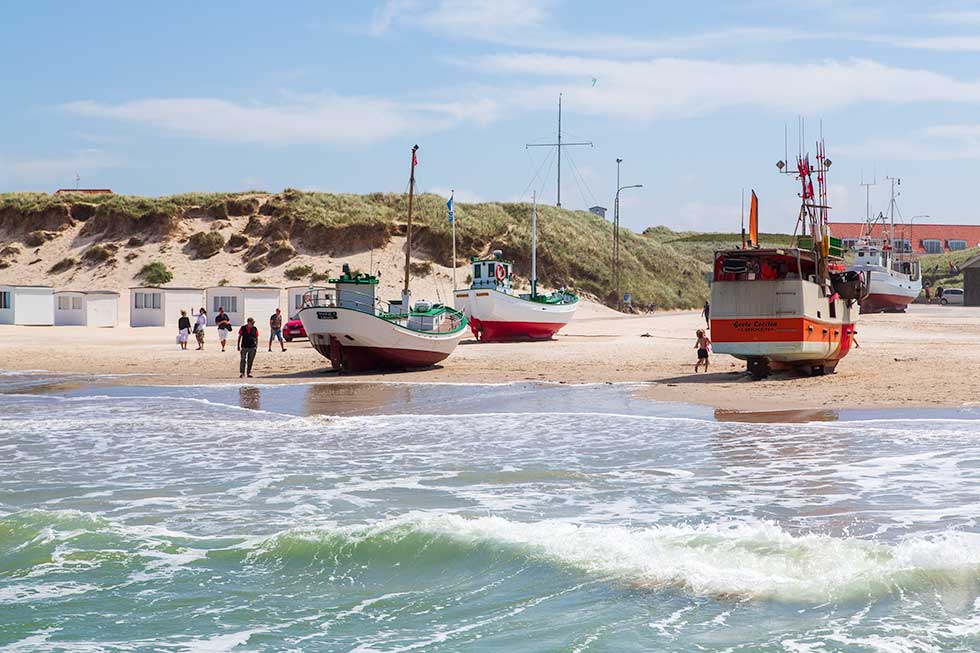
{"x":501,"y":272}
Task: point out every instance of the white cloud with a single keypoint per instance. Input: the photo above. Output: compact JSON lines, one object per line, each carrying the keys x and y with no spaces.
{"x":56,"y":171}
{"x":674,"y":88}
{"x":466,"y":18}
{"x":331,"y":119}
{"x":933,"y":143}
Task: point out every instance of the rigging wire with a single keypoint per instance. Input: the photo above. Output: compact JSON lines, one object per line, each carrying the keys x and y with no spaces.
{"x":537,"y":174}
{"x":581,"y":178}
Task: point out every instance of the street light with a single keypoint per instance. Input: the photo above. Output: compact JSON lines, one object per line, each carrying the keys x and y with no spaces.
{"x":911,"y":224}
{"x":616,"y":274}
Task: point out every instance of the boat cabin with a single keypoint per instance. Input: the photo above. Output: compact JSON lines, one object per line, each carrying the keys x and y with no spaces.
{"x":764,"y":265}
{"x":357,"y":291}
{"x":872,"y":255}
{"x":492,"y":273}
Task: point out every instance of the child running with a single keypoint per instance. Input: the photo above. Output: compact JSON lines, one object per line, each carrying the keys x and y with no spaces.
{"x":702,"y":346}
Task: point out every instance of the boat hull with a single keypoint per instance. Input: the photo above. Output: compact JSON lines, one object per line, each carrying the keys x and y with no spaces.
{"x":496,"y":316}
{"x":788,"y":322}
{"x":885,"y":303}
{"x":888,"y":291}
{"x":354,"y":341}
{"x":782,"y":340}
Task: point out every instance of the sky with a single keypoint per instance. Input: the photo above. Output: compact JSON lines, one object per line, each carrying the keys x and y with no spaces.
{"x":696,"y":98}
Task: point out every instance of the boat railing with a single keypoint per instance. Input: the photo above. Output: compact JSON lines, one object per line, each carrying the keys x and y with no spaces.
{"x":320,"y":298}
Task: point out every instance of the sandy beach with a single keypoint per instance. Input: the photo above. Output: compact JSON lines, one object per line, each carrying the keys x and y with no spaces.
{"x":927,"y":357}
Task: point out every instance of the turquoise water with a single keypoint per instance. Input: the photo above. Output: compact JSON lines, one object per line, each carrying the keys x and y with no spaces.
{"x":476,"y":518}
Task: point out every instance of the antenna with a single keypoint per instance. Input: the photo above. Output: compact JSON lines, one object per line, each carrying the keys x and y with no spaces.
{"x":867,"y":192}
{"x":558,"y":145}
{"x":77,"y":179}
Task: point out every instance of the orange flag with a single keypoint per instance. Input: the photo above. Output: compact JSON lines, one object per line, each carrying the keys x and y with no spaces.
{"x":754,"y":221}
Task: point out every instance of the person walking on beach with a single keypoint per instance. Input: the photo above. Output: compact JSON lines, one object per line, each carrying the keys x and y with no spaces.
{"x":199,"y":327}
{"x":275,"y":329}
{"x":702,"y":346}
{"x":183,"y":329}
{"x":248,"y":345}
{"x":223,"y":323}
{"x":706,"y":314}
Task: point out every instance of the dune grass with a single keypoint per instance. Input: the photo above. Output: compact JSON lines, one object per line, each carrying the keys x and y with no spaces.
{"x":665,"y":270}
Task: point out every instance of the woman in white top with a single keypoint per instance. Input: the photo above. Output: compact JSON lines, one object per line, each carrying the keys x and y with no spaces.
{"x":200,"y":326}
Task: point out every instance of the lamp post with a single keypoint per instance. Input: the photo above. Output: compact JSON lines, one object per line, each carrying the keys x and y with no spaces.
{"x":912,"y":224}
{"x":616,"y":271}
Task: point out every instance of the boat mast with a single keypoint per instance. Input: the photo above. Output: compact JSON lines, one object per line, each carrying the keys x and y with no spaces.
{"x":559,"y":145}
{"x":534,"y":244}
{"x":406,"y":293}
{"x":891,"y":219}
{"x":867,"y":201}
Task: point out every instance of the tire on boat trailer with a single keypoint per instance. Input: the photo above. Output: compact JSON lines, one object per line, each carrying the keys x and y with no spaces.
{"x":758,"y":367}
{"x":825,"y":367}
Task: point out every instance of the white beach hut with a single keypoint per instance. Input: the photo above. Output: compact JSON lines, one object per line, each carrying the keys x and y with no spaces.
{"x":27,"y":305}
{"x":94,"y":308}
{"x":242,"y":302}
{"x":157,"y":306}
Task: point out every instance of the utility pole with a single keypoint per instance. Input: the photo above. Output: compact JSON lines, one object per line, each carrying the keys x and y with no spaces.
{"x":559,"y":145}
{"x":617,"y":280}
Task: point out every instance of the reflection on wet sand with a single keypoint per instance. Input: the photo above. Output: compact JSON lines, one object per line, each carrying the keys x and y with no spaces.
{"x":250,"y":397}
{"x":358,"y":398}
{"x":776,"y":416}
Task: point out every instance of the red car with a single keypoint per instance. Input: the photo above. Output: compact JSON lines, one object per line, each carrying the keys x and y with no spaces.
{"x":293,"y":329}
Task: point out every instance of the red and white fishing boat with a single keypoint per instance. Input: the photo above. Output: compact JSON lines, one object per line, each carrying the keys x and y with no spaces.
{"x":788,"y":306}
{"x":359,"y":332}
{"x":497,"y":313}
{"x":895,"y":278}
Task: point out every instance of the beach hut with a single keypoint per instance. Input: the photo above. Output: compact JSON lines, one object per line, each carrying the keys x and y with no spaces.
{"x":242,"y":302}
{"x":94,"y":308}
{"x":159,"y":306}
{"x":27,"y":305}
{"x":971,"y":281}
{"x":294,"y":297}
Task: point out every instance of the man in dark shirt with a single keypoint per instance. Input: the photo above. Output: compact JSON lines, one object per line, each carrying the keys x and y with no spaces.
{"x":248,"y":345}
{"x":223,"y":322}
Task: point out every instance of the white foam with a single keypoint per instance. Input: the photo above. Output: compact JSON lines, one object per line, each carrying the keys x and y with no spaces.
{"x":749,"y":559}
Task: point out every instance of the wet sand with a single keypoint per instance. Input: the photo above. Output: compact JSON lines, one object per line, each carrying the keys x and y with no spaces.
{"x":928,"y":357}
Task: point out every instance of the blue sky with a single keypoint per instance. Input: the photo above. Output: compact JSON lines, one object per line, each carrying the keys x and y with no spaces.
{"x":159,"y":98}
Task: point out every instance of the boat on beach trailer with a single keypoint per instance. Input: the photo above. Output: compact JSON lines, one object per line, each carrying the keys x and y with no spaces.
{"x":359,"y":332}
{"x":788,"y":307}
{"x":497,"y":313}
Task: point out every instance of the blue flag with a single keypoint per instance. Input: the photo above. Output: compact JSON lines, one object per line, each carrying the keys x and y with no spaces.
{"x":449,"y":205}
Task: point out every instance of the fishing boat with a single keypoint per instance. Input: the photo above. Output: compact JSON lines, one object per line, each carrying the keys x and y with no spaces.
{"x":497,"y":313}
{"x":359,"y":332}
{"x":895,"y":276}
{"x":788,"y":307}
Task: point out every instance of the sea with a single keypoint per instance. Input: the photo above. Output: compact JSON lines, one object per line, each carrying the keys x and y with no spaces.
{"x":520,"y":517}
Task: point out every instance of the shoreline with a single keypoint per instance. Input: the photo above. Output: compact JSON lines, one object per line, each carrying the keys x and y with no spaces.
{"x":905,"y":360}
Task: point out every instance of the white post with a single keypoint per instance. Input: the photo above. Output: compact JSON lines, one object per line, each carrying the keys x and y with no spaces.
{"x":454,"y":254}
{"x":534,"y":244}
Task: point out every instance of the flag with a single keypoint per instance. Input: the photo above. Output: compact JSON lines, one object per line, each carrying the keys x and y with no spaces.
{"x":754,"y":221}
{"x":449,"y":205}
